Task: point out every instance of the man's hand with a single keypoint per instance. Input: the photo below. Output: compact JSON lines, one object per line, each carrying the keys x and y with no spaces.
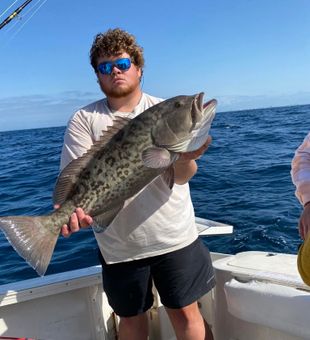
{"x":193,"y":155}
{"x":185,"y":167}
{"x":77,"y":221}
{"x":304,"y":222}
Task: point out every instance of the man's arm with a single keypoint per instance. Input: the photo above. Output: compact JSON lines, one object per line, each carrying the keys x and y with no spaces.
{"x":301,"y":178}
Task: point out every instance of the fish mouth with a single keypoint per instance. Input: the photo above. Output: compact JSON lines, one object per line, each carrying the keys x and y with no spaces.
{"x":198,"y":103}
{"x":202,"y":116}
{"x":199,"y":107}
{"x":210,"y":102}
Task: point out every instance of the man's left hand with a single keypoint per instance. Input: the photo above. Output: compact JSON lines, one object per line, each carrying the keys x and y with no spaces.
{"x":193,"y":155}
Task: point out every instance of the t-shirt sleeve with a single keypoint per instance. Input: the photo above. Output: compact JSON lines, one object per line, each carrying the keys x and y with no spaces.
{"x":77,"y":139}
{"x":300,"y":171}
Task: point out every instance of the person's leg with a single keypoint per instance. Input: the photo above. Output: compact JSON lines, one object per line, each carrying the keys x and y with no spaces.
{"x":181,"y":278}
{"x":134,"y":328}
{"x":189,"y":324}
{"x":128,"y":287}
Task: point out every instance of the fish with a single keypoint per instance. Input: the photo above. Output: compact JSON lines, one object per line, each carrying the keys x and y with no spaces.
{"x":126,"y":158}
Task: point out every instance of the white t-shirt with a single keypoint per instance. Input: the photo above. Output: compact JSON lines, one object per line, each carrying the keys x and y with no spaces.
{"x":300,"y":171}
{"x":155,"y":221}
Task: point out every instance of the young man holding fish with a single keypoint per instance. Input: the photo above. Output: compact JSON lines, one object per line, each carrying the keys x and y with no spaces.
{"x":153,"y":236}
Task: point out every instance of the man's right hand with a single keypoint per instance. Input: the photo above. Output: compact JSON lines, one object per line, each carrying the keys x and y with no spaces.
{"x":77,"y":221}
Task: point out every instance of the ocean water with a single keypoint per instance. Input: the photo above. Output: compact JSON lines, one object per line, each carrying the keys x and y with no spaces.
{"x":243,"y":180}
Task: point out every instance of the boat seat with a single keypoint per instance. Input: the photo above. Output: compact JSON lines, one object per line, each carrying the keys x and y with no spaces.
{"x":266,"y":289}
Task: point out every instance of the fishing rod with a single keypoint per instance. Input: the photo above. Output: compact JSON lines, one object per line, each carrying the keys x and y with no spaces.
{"x":14,"y":14}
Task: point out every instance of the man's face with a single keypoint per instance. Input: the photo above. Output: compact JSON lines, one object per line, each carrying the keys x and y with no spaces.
{"x":119,"y":83}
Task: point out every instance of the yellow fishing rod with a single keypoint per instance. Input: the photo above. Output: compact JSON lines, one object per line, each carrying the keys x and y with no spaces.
{"x":14,"y":14}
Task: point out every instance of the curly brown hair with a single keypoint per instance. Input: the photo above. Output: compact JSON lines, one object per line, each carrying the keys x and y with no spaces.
{"x":114,"y":42}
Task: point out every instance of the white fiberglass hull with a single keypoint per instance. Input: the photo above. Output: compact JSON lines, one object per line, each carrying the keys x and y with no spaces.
{"x":257,"y":296}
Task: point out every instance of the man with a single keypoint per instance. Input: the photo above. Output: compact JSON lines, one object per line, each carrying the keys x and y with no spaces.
{"x":154,"y":237}
{"x":301,"y":178}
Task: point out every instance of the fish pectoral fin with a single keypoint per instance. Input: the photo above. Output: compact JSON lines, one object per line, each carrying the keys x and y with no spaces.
{"x":103,"y":220}
{"x":156,"y":157}
{"x":168,"y":176}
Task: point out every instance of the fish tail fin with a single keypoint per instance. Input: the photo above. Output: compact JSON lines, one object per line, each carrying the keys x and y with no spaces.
{"x":31,"y":239}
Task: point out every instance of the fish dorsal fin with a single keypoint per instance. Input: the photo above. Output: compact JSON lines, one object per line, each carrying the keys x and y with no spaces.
{"x":68,"y":177}
{"x":107,"y":135}
{"x":70,"y":174}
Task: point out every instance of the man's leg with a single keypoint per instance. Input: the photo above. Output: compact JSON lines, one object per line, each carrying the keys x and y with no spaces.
{"x":181,"y":278}
{"x":128,"y":286}
{"x":189,"y":324}
{"x":134,"y":327}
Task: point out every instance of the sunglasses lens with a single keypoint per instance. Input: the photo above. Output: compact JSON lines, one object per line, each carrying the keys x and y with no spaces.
{"x":105,"y":68}
{"x":122,"y":64}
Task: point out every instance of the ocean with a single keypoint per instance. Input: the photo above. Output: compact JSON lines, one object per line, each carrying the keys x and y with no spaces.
{"x":243,"y":180}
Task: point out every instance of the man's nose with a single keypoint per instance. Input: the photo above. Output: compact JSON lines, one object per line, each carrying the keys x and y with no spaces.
{"x":115,"y":70}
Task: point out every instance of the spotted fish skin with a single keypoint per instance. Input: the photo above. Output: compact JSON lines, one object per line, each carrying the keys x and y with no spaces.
{"x":117,"y":171}
{"x":128,"y":156}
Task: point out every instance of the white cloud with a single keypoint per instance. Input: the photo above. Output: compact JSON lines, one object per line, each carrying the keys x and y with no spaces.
{"x":36,"y":111}
{"x":231,"y":103}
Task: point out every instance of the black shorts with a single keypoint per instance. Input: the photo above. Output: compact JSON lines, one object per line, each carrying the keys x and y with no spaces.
{"x":180,"y":277}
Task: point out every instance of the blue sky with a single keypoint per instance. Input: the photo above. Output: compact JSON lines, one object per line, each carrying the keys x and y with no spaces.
{"x":245,"y":53}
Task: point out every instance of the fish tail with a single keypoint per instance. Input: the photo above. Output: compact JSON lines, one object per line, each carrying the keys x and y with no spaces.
{"x":31,"y":239}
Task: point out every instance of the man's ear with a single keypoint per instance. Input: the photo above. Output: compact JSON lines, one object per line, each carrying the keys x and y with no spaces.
{"x":141,"y":74}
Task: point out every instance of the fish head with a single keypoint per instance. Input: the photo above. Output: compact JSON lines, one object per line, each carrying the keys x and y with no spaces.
{"x":185,"y":123}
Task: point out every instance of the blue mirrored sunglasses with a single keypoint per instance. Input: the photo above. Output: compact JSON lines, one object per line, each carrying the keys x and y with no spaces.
{"x":122,"y":64}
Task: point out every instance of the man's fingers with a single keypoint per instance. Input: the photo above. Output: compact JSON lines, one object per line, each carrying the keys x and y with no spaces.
{"x":208,"y":142}
{"x":65,"y":231}
{"x":77,"y":220}
{"x":193,"y":155}
{"x":74,"y":223}
{"x":205,"y":145}
{"x":85,"y":220}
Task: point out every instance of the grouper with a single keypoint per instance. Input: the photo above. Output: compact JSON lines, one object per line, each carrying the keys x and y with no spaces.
{"x":131,"y":154}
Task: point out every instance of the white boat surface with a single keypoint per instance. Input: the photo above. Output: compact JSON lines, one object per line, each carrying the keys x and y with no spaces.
{"x":258,"y":295}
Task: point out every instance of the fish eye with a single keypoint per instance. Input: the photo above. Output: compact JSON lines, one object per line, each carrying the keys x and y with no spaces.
{"x":177,"y":104}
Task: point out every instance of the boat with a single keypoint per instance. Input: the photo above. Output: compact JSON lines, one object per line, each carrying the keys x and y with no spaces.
{"x":258,"y":295}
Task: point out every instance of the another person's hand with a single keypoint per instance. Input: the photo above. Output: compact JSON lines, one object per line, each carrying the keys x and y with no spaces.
{"x":77,"y":221}
{"x":304,"y":222}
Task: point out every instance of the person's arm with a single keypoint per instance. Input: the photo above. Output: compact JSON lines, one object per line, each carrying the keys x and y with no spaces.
{"x":186,"y":167}
{"x":300,"y":173}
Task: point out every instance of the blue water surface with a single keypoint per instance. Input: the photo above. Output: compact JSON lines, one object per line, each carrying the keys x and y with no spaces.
{"x":243,"y":180}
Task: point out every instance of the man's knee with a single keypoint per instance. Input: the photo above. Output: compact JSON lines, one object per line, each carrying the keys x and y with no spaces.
{"x":133,"y":321}
{"x":187,"y":314}
{"x":134,"y":327}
